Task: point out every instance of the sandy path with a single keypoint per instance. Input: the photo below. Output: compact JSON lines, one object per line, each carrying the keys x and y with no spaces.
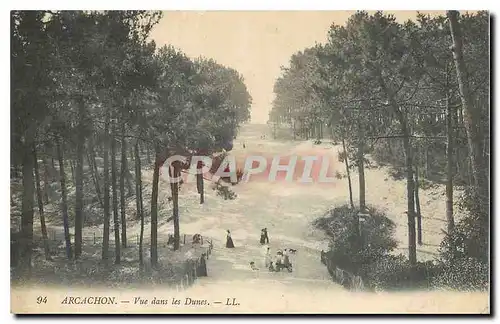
{"x":287,"y":209}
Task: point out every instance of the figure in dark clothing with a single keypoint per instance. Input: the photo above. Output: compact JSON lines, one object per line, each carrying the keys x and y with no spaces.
{"x":286,"y":261}
{"x":202,"y":268}
{"x":264,"y":238}
{"x":171,"y":239}
{"x":229,"y":240}
{"x":279,"y":261}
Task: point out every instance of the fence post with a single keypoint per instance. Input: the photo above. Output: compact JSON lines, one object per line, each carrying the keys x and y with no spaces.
{"x":94,"y":238}
{"x":137,"y":239}
{"x":184,"y":239}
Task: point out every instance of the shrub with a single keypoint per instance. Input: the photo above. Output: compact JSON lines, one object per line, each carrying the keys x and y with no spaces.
{"x":224,"y":192}
{"x":465,"y":274}
{"x":352,"y":246}
{"x":395,"y":273}
{"x":464,"y":252}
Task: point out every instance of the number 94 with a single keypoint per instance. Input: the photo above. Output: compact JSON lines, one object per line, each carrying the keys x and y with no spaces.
{"x":40,"y":300}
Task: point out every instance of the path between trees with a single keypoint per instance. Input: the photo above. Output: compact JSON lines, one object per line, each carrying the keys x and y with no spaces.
{"x":287,"y":210}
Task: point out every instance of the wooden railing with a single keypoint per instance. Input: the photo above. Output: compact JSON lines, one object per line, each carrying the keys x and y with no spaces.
{"x":345,"y":278}
{"x":195,"y":268}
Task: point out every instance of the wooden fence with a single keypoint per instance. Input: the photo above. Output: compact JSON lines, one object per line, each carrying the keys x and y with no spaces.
{"x":345,"y":278}
{"x":191,"y":268}
{"x":194,"y":269}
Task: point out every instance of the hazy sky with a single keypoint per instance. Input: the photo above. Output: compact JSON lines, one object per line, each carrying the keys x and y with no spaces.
{"x":255,"y":43}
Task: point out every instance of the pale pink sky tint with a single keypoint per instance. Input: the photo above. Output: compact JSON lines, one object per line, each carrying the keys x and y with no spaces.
{"x":255,"y":43}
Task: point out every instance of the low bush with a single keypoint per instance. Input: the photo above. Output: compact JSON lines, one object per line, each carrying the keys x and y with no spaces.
{"x":224,"y":192}
{"x":464,"y":253}
{"x":356,"y":243}
{"x":464,"y":274}
{"x":395,"y":273}
{"x":364,"y":250}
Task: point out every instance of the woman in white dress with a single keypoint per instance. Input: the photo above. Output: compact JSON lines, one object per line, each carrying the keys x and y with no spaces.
{"x":267,"y":257}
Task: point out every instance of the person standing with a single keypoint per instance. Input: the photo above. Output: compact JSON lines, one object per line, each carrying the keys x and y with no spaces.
{"x":279,"y":261}
{"x":267,"y":258}
{"x":286,"y":261}
{"x":229,"y":240}
{"x":262,"y":237}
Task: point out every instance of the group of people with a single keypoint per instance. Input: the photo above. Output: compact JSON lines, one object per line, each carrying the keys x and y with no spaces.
{"x":281,"y":261}
{"x":275,"y":264}
{"x":264,"y":238}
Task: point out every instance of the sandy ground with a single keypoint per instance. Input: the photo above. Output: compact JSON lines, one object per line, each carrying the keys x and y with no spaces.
{"x":287,"y":210}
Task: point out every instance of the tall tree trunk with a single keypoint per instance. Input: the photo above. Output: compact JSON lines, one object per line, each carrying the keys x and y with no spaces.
{"x":79,"y":179}
{"x":346,"y":160}
{"x":403,"y":120}
{"x":106,"y":198}
{"x":449,"y":164}
{"x":72,"y":169}
{"x":417,"y":206}
{"x":199,"y":182}
{"x":472,"y":117}
{"x":174,"y":186}
{"x":138,"y":200}
{"x":388,"y":151}
{"x":94,"y":174}
{"x":412,"y":246}
{"x":45,"y":182}
{"x":427,"y":164}
{"x":27,"y":200}
{"x":64,"y":195}
{"x":132,"y":154}
{"x":361,"y":170}
{"x":40,"y":207}
{"x":116,"y":221}
{"x":154,"y":209}
{"x":124,"y":170}
{"x":148,"y":153}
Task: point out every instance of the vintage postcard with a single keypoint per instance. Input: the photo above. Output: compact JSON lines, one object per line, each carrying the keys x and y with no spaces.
{"x":256,"y":162}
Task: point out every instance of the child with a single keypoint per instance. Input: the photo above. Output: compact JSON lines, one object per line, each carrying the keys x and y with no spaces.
{"x":252,"y":265}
